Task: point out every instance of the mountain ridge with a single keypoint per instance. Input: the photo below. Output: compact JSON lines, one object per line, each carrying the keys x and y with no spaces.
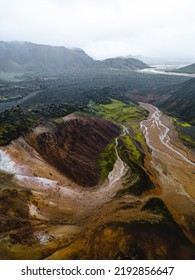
{"x":29,"y":57}
{"x":190,"y":69}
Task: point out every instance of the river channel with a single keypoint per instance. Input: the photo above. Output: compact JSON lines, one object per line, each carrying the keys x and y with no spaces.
{"x":174,"y":167}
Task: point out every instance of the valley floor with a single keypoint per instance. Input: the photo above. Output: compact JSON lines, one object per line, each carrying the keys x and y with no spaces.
{"x":173,"y":162}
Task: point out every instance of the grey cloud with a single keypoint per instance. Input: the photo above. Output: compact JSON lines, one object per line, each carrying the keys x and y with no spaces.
{"x":103,"y":28}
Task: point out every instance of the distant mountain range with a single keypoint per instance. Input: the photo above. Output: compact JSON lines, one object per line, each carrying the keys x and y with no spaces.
{"x":163,"y":60}
{"x":28,"y":57}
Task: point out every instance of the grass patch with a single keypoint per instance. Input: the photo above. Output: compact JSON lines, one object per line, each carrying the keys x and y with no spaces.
{"x":132,"y":150}
{"x":57,"y":120}
{"x":129,"y":148}
{"x":119,"y":111}
{"x":185,"y":132}
{"x":182,"y":123}
{"x":187,"y":140}
{"x":107,"y":160}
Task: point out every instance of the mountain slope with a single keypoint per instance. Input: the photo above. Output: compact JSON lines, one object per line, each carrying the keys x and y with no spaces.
{"x":25,"y":56}
{"x":74,"y":145}
{"x":187,"y":69}
{"x":179,"y":99}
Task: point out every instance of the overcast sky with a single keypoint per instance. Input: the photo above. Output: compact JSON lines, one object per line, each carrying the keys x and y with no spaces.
{"x":104,"y":28}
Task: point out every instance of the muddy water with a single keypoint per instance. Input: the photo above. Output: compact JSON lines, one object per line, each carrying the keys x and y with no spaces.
{"x":174,"y":167}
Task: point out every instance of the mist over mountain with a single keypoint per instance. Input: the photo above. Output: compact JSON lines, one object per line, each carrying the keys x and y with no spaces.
{"x":28,"y":57}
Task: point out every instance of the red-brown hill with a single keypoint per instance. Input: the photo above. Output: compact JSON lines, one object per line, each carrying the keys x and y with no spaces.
{"x":74,"y":145}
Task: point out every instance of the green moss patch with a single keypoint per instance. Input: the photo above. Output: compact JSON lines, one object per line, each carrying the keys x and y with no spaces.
{"x":138,"y":175}
{"x":119,"y":111}
{"x":107,"y":160}
{"x":186,"y":132}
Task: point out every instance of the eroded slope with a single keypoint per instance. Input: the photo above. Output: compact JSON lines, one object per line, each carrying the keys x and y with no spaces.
{"x":74,"y":146}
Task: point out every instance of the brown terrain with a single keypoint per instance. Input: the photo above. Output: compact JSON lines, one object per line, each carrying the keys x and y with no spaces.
{"x":73,"y":147}
{"x":53,"y":205}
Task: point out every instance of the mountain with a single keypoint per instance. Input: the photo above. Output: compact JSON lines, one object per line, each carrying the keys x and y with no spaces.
{"x":187,"y":69}
{"x":121,"y":63}
{"x":73,"y":146}
{"x":179,"y":99}
{"x":28,"y":57}
{"x":25,"y":56}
